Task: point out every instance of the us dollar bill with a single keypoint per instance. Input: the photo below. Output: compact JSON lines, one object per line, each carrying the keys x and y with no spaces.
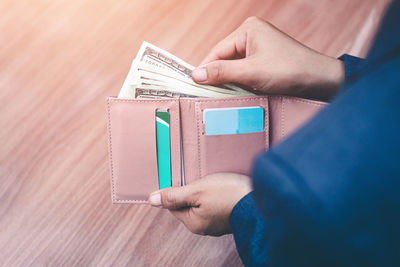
{"x":160,"y":71}
{"x":145,"y":71}
{"x":158,"y":93}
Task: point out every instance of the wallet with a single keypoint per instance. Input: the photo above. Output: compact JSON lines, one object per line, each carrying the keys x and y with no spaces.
{"x":133,"y":149}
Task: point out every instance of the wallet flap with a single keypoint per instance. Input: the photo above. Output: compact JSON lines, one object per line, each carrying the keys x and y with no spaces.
{"x":132,"y":147}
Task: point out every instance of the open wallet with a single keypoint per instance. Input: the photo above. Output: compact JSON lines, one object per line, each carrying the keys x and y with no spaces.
{"x":206,"y":135}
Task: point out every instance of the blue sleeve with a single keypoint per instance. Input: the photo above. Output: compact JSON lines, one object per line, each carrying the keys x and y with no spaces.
{"x":330,"y":192}
{"x":352,"y":66}
{"x":248,"y":225}
{"x":249,"y":230}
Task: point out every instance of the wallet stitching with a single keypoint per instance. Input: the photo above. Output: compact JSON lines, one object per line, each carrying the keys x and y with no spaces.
{"x":283,"y":117}
{"x":111,"y":158}
{"x":142,"y":101}
{"x":266,"y":125}
{"x":133,"y":201}
{"x":198,"y":139}
{"x":223,"y":100}
{"x":177,"y":145}
{"x":306,"y":102}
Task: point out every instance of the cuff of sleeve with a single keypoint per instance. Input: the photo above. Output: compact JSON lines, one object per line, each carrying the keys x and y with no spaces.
{"x":240,"y":215}
{"x":352,"y":66}
{"x":249,"y":231}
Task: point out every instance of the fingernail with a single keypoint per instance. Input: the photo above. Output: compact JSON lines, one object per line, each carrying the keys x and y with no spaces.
{"x":155,"y":199}
{"x":199,"y":75}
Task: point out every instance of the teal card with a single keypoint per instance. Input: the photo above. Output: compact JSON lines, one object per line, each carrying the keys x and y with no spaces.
{"x":163,"y":149}
{"x":236,"y":120}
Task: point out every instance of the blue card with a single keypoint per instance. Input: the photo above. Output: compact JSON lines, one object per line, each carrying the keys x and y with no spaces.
{"x":237,"y":120}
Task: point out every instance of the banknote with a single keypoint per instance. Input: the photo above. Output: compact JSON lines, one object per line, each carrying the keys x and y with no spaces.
{"x":144,"y":71}
{"x":180,"y":87}
{"x":156,"y":73}
{"x":152,"y":92}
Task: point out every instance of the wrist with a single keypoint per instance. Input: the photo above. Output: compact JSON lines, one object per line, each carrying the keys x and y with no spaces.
{"x":335,"y":73}
{"x":328,"y":78}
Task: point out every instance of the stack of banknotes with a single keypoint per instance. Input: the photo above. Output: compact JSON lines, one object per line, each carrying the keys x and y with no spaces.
{"x":155,"y":73}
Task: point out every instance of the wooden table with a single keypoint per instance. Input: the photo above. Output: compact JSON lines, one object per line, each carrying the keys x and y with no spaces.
{"x":59,"y":60}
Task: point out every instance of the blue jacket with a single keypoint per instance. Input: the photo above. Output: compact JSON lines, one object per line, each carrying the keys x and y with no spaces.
{"x":330,"y":194}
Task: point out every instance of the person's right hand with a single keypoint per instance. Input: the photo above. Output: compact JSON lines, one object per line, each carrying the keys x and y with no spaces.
{"x":260,"y":56}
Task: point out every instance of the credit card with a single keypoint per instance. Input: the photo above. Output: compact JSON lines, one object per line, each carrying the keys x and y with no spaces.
{"x":235,"y":120}
{"x":163,"y":149}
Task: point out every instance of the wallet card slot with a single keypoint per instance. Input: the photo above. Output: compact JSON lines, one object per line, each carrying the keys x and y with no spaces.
{"x":133,"y":151}
{"x":232,"y":152}
{"x":189,"y":136}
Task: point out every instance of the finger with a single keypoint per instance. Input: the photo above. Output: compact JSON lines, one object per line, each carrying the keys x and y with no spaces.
{"x":232,"y":47}
{"x":223,"y":71}
{"x":174,"y":197}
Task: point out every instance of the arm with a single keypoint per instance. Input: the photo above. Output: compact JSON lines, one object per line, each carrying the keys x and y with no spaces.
{"x":331,"y":190}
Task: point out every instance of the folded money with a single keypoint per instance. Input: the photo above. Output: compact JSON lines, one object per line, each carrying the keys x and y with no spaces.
{"x":156,"y":73}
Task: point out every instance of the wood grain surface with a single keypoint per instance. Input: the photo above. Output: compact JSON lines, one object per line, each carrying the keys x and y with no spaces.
{"x":59,"y":60}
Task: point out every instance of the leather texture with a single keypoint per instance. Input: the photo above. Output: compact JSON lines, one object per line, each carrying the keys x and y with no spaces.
{"x":132,"y":139}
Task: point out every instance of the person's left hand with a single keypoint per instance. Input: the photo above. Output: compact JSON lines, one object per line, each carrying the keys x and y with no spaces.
{"x":204,"y":206}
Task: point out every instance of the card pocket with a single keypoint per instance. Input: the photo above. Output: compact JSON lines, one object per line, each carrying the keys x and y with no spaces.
{"x":132,"y":147}
{"x":232,"y":152}
{"x":287,"y":114}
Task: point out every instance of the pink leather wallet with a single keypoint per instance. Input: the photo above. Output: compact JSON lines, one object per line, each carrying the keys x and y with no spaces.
{"x":132,"y":139}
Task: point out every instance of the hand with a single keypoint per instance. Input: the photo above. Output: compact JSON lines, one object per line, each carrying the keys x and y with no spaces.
{"x":260,"y":56}
{"x":204,"y":206}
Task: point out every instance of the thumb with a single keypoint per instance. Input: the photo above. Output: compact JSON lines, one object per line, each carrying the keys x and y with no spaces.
{"x":222,"y":71}
{"x":173,"y":198}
